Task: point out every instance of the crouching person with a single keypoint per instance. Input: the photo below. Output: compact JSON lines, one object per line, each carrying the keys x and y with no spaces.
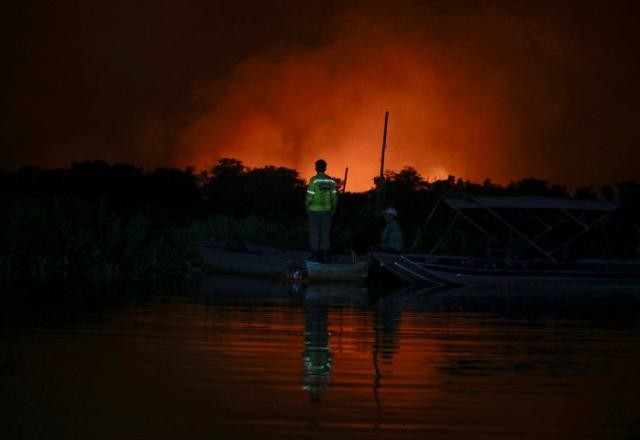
{"x":391,"y":240}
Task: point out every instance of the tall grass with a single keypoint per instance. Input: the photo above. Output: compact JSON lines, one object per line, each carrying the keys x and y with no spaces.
{"x":56,"y":239}
{"x":49,"y":240}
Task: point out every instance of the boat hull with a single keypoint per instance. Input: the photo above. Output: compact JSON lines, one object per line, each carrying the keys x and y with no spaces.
{"x":336,"y":272}
{"x":262,"y":261}
{"x":438,"y":270}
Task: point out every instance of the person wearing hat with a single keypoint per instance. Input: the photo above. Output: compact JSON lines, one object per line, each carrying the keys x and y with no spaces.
{"x":391,"y":240}
{"x":321,"y":203}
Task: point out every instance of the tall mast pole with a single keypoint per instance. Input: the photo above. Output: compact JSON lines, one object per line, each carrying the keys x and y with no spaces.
{"x":384,"y":144}
{"x":380,"y":179}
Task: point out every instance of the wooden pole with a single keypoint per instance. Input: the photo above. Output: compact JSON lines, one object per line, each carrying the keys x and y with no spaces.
{"x":344,"y":182}
{"x":384,"y":144}
{"x":380,"y":190}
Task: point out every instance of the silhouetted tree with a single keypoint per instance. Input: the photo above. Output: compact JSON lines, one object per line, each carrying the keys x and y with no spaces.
{"x":173,"y":187}
{"x":275,"y":193}
{"x":529,"y":186}
{"x":607,"y":191}
{"x":586,"y":192}
{"x":224,"y":189}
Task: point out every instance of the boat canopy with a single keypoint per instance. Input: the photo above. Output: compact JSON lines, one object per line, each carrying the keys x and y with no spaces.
{"x":465,"y":201}
{"x":584,"y":214}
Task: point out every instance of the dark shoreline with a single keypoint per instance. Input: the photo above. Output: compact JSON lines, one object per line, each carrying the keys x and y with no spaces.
{"x":106,"y":225}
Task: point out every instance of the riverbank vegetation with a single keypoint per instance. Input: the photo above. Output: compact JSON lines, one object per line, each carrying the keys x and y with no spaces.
{"x":102,"y":223}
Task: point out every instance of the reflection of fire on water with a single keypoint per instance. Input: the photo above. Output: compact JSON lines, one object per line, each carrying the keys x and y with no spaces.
{"x":317,"y":357}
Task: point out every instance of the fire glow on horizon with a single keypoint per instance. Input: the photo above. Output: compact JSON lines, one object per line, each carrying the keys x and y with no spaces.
{"x":448,"y":113}
{"x":496,"y":89}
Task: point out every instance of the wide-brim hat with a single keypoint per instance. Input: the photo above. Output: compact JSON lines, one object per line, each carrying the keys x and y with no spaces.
{"x":391,"y":211}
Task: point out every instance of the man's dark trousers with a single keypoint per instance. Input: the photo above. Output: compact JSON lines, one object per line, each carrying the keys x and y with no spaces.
{"x":319,"y":231}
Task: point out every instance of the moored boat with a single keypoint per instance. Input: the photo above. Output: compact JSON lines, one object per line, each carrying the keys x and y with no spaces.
{"x":538,"y":260}
{"x":290,"y":265}
{"x":486,"y":272}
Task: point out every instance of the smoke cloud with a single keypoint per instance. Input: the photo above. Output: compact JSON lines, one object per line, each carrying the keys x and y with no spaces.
{"x":483,"y":92}
{"x":489,"y":89}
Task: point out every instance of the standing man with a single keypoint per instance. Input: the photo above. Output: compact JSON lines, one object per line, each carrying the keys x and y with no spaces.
{"x":321,"y":203}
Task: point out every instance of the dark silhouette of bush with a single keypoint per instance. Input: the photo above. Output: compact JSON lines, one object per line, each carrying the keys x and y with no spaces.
{"x":103,"y":222}
{"x":275,"y":193}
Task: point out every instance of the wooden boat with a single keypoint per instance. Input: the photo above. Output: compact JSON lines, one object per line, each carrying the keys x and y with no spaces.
{"x":290,"y":265}
{"x":544,"y":264}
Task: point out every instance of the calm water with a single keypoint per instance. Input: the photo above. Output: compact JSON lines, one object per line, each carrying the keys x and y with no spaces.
{"x":247,"y":359}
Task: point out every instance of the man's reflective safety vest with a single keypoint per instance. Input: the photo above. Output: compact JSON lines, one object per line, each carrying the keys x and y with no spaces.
{"x":322,"y":194}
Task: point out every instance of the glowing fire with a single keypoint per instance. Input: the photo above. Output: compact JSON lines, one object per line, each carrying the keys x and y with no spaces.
{"x":449,"y":112}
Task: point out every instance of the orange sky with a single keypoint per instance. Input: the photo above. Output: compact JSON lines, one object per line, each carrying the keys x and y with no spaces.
{"x":448,"y":113}
{"x":497,"y":88}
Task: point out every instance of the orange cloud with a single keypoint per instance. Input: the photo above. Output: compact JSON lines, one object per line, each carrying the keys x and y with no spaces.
{"x":447,"y":115}
{"x":475,"y":92}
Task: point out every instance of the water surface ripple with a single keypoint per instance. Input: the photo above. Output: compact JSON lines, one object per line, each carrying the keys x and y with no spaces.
{"x":245,"y":359}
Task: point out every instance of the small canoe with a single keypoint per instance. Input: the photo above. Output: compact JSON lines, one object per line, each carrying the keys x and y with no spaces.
{"x":263,"y":261}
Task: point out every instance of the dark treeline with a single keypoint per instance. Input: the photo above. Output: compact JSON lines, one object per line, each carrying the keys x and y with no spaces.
{"x":107,"y":223}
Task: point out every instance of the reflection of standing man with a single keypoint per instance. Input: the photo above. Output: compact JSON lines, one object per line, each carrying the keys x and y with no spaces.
{"x":317,"y":357}
{"x":321,"y":203}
